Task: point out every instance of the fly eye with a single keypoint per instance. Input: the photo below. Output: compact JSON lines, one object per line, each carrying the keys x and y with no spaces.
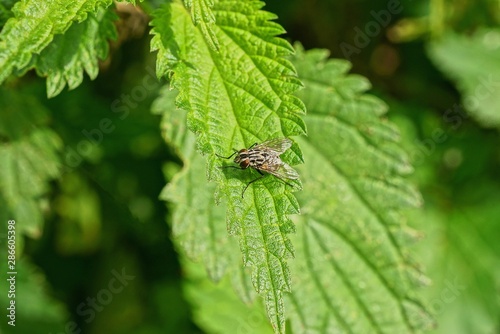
{"x":245,"y":163}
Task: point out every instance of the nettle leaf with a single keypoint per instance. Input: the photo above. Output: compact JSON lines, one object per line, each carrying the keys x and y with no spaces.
{"x":218,"y":309}
{"x":29,"y":160}
{"x":464,"y":263}
{"x":458,"y":57}
{"x":235,"y":97}
{"x":79,"y":48}
{"x":34,"y":25}
{"x":204,"y":19}
{"x":352,"y":272}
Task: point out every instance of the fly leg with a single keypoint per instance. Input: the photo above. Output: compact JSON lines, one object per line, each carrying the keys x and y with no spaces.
{"x":229,"y":157}
{"x":249,"y":183}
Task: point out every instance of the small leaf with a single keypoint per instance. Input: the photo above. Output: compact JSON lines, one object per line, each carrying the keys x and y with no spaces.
{"x":29,"y":159}
{"x":474,"y":64}
{"x":34,"y":25}
{"x":78,"y":49}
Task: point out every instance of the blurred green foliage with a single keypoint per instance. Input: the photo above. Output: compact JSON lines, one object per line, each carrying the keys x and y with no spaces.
{"x":103,"y":213}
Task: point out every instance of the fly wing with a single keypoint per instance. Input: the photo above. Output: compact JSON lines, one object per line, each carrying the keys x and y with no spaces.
{"x":285,"y":172}
{"x":278,"y":145}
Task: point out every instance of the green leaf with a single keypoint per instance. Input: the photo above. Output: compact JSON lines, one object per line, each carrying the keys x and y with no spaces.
{"x":462,"y":249}
{"x":236,"y":97}
{"x":352,"y":271}
{"x":78,"y":49}
{"x":34,"y":25}
{"x":29,"y":159}
{"x":473,"y":62}
{"x":203,"y":17}
{"x":218,"y":309}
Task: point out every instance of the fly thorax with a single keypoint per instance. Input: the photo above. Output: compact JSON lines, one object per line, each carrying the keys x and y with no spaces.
{"x":258,"y":157}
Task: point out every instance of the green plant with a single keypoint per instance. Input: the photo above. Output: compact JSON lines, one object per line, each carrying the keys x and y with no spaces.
{"x":331,"y":254}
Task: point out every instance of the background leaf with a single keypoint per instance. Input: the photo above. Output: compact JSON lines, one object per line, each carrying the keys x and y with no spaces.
{"x":33,"y":27}
{"x":473,"y":62}
{"x":29,"y":160}
{"x":463,"y":254}
{"x":352,"y":270}
{"x":78,"y":49}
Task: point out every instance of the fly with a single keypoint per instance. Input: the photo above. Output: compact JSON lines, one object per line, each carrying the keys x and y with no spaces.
{"x":265,"y":157}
